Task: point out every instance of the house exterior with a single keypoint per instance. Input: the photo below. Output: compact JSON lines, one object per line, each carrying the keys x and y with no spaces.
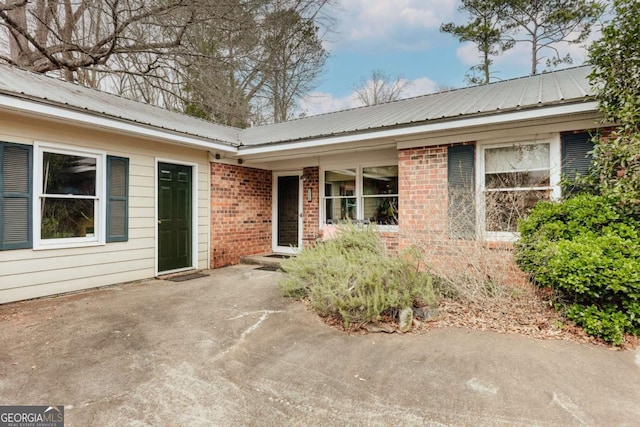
{"x":97,"y":190}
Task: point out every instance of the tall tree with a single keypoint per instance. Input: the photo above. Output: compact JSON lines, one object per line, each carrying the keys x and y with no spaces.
{"x":222,"y":75}
{"x":220,"y":60}
{"x":294,"y":57}
{"x":616,"y":79}
{"x":545,"y":23}
{"x":379,"y":88}
{"x":484,"y":29}
{"x":72,"y":35}
{"x":253,"y":67}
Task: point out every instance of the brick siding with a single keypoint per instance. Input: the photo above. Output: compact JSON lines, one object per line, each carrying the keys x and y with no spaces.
{"x":310,"y":209}
{"x":422,"y":176}
{"x":423,"y":219}
{"x":240,"y":213}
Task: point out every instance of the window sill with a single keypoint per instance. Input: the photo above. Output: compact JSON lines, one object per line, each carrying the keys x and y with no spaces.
{"x":67,"y":245}
{"x":379,"y":228}
{"x":502,"y":237}
{"x":387,"y":228}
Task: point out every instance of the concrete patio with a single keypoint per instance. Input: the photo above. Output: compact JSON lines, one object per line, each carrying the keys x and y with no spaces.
{"x":227,"y":349}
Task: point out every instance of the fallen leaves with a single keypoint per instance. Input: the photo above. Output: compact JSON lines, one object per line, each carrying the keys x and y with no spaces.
{"x":528,"y":314}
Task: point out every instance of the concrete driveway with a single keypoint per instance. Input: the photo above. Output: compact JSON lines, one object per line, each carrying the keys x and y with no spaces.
{"x":228,"y":350}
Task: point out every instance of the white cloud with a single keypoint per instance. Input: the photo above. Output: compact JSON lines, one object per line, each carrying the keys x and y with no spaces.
{"x":320,"y":103}
{"x":417,"y":87}
{"x":400,"y":24}
{"x":468,"y":54}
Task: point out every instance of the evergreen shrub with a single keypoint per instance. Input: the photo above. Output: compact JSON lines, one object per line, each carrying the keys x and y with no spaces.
{"x":589,"y":252}
{"x":351,"y":277}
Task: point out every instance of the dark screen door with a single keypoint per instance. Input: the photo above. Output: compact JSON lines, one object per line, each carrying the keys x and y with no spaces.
{"x":174,"y":216}
{"x":288,"y":211}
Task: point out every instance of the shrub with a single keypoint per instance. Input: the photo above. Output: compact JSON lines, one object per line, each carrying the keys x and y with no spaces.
{"x":589,"y":252}
{"x":352,"y":278}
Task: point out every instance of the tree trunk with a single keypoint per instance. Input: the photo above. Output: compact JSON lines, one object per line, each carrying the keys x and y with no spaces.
{"x":485,"y":68}
{"x":18,"y":45}
{"x":534,"y":58}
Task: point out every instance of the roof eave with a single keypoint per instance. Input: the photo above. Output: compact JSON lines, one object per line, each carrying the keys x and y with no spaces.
{"x":583,"y":105}
{"x":59,"y":112}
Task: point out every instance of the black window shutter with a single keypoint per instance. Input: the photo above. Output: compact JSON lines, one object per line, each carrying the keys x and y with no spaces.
{"x":576,"y":157}
{"x":461,"y":179}
{"x":117,"y":199}
{"x":16,"y":188}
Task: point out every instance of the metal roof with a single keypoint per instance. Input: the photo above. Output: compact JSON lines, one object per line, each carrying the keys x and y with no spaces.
{"x":52,"y":91}
{"x":547,"y":89}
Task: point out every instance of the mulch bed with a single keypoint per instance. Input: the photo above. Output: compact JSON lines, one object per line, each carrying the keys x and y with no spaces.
{"x":532,"y":317}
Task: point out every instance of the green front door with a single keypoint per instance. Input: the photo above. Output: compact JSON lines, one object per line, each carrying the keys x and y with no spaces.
{"x":174,"y":217}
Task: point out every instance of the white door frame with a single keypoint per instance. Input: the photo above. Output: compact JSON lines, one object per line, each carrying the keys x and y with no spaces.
{"x":274,"y":214}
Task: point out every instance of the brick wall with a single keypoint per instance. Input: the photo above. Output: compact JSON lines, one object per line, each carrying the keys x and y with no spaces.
{"x":422,"y":174}
{"x":390,"y":240}
{"x":240,"y":213}
{"x":423,"y":220}
{"x":310,"y":209}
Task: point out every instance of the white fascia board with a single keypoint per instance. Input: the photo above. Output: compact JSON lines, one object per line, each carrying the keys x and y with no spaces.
{"x":494,"y":119}
{"x":147,"y":131}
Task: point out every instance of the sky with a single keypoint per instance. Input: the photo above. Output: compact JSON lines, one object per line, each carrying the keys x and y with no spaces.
{"x":402,"y":39}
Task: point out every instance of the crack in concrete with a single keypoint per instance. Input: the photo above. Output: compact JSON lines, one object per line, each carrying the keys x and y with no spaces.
{"x":482,"y":388}
{"x":265,"y":314}
{"x":571,"y":408}
{"x":249,"y":330}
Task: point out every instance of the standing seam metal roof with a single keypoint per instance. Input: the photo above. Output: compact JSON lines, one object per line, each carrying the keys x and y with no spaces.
{"x":547,"y":89}
{"x":38,"y":87}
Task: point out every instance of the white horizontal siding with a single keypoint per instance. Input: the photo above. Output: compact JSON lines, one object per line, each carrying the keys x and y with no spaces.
{"x":118,"y":276}
{"x":83,"y":267}
{"x":28,"y":274}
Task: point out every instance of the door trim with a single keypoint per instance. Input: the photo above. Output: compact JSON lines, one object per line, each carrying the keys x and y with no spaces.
{"x":194,"y":214}
{"x":274,"y":213}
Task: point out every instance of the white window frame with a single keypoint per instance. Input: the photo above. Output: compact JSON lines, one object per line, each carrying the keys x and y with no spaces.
{"x":99,"y":221}
{"x":359,"y":196}
{"x":554,"y":180}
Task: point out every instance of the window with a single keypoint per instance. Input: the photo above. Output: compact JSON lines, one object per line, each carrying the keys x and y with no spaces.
{"x":81,"y":197}
{"x":380,"y":194}
{"x":363,"y":193}
{"x":514,"y":178}
{"x":69,"y":199}
{"x":340,"y":191}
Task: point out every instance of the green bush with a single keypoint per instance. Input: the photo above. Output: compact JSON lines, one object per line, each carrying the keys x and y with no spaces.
{"x":351,"y":277}
{"x":590,"y":253}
